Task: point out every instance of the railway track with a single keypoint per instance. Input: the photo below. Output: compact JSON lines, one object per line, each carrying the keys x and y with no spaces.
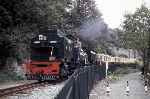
{"x":19,"y":88}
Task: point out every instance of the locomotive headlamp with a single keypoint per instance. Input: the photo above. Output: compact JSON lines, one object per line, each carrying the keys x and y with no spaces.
{"x":53,"y":41}
{"x":36,"y":42}
{"x":92,"y":52}
{"x":52,"y":58}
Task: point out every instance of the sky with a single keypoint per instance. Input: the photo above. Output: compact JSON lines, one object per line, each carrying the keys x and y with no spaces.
{"x":114,"y":10}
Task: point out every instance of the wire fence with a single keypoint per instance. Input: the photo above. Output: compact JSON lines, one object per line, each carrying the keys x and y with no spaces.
{"x":81,"y":82}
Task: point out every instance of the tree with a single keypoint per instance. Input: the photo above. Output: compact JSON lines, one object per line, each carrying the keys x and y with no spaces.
{"x":136,"y":28}
{"x":83,"y":11}
{"x":20,"y":20}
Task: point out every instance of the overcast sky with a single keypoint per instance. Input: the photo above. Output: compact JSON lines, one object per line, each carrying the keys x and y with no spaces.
{"x":113,"y":10}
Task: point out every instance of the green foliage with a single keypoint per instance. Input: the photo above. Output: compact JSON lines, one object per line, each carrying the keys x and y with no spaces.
{"x":6,"y":76}
{"x":99,"y":49}
{"x":137,"y":32}
{"x":123,"y":55}
{"x":83,"y":10}
{"x":136,"y":27}
{"x":20,"y":20}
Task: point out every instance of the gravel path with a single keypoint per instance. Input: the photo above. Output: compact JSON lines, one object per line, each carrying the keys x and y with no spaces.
{"x":136,"y":85}
{"x":48,"y":91}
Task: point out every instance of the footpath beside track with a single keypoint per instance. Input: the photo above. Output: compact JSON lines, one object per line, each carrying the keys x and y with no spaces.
{"x":18,"y":88}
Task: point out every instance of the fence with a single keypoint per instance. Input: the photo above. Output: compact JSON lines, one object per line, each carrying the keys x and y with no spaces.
{"x":81,"y":82}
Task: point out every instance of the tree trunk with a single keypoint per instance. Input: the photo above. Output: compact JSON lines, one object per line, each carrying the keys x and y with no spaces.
{"x":129,"y":53}
{"x":148,"y":53}
{"x":145,"y":61}
{"x":134,"y":53}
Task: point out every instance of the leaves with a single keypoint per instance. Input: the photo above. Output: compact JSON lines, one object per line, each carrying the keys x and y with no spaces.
{"x":136,"y":35}
{"x":20,"y":20}
{"x":136,"y":27}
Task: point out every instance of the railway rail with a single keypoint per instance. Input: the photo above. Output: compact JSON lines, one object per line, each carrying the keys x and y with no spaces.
{"x":19,"y":88}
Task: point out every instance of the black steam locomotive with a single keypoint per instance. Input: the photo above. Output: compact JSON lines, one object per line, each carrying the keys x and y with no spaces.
{"x":54,"y":55}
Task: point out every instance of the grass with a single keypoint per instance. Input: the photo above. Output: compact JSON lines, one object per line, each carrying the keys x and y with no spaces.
{"x":119,"y":72}
{"x":113,"y":76}
{"x":6,"y":76}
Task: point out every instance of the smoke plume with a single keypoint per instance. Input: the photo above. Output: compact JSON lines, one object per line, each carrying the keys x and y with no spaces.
{"x":93,"y":29}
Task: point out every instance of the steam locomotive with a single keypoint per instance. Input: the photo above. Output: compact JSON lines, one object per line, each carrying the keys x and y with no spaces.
{"x":54,"y":56}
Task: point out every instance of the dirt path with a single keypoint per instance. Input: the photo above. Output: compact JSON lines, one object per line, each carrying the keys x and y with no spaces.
{"x":136,"y":85}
